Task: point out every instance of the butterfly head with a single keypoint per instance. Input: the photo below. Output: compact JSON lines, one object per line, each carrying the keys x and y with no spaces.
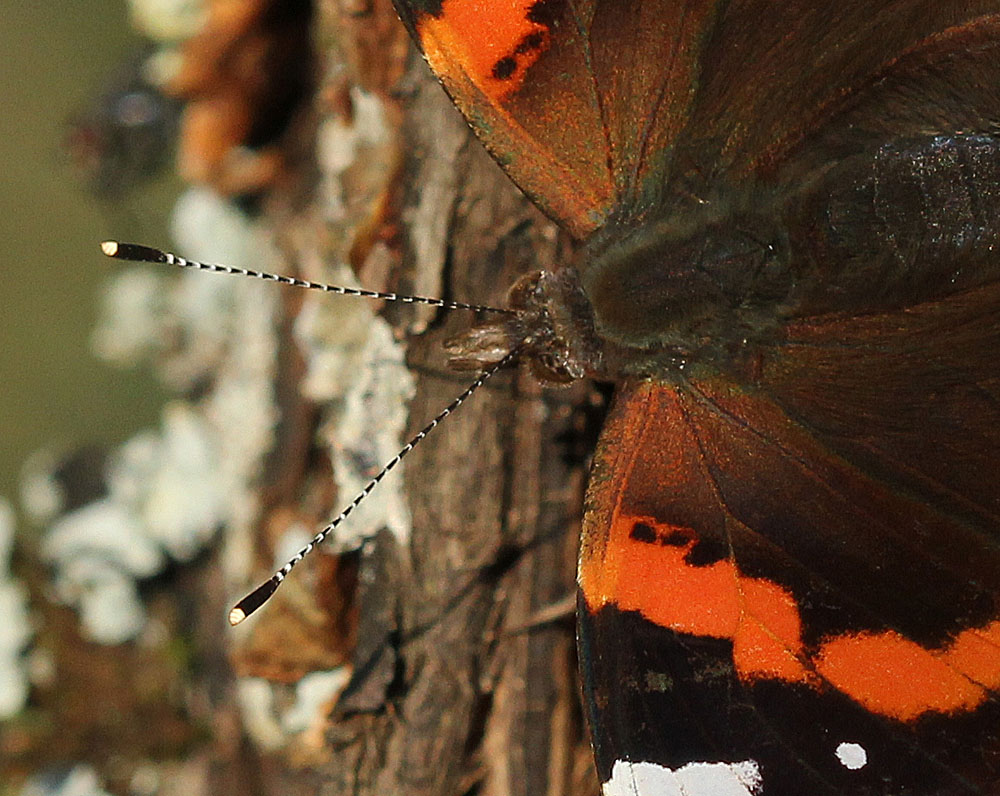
{"x":552,"y":328}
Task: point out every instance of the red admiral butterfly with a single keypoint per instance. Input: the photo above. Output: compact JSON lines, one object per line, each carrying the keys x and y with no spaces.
{"x":788,"y":216}
{"x":790,"y":569}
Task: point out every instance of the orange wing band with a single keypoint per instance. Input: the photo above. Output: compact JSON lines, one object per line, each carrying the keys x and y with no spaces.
{"x":884,"y":672}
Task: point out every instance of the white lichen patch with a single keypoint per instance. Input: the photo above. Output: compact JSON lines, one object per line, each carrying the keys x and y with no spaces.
{"x":315,"y":693}
{"x":342,"y":143}
{"x":107,"y":532}
{"x":15,"y":627}
{"x":260,"y":718}
{"x":168,"y":22}
{"x":356,"y":369}
{"x":131,"y":316}
{"x":80,"y":780}
{"x":174,"y":481}
{"x":368,"y":431}
{"x":164,"y":501}
{"x":170,"y":491}
{"x":274,"y":722}
{"x":185,"y":322}
{"x":42,"y":496}
{"x":694,"y":779}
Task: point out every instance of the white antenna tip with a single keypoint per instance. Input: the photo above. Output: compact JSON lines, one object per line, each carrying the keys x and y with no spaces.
{"x":110,"y":247}
{"x":236,"y":616}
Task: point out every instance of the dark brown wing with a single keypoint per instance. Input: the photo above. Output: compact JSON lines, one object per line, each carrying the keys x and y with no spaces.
{"x":594,"y":106}
{"x":802,"y":575}
{"x":570,"y":96}
{"x":778,"y":76}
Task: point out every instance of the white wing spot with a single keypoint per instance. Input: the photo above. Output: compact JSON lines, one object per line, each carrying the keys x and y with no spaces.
{"x":694,"y":779}
{"x":852,"y":755}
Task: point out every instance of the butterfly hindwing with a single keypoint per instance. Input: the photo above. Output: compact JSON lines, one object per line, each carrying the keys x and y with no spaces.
{"x":778,"y":571}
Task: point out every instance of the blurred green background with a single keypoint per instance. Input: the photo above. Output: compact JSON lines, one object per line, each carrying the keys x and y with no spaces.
{"x":53,"y":391}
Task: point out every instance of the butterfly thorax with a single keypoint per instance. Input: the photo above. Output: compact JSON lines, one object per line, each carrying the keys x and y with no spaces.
{"x":716,"y":278}
{"x":566,"y":332}
{"x":698,"y":286}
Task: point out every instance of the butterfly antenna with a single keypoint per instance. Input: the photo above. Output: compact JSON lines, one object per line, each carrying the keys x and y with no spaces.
{"x":135,"y":252}
{"x":260,"y":595}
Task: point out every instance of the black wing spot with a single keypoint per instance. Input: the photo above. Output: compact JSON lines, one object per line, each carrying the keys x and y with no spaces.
{"x":544,"y":12}
{"x":706,"y":552}
{"x":676,"y":538}
{"x":533,"y":41}
{"x":415,"y":9}
{"x":505,"y":68}
{"x":641,"y":532}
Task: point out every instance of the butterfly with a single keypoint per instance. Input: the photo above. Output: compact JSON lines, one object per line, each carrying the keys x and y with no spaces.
{"x":789,"y":267}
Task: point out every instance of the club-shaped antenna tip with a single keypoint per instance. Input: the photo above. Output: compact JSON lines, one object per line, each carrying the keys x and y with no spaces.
{"x":236,"y":616}
{"x":110,"y":247}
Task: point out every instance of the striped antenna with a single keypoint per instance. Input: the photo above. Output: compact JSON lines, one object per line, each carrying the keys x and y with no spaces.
{"x":147,"y":254}
{"x":260,"y":595}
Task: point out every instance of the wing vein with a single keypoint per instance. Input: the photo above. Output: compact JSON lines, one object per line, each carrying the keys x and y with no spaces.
{"x":815,"y":477}
{"x":632,"y":189}
{"x":723,"y":503}
{"x":898,"y":733}
{"x":584,"y":34}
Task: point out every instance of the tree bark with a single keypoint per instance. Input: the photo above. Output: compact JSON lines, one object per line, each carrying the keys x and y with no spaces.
{"x":461,"y":681}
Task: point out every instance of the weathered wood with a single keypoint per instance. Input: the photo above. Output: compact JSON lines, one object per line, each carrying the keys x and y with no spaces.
{"x":456,"y":688}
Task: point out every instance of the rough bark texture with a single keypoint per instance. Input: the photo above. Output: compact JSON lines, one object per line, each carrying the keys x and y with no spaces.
{"x":439,"y":658}
{"x":458,"y":686}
